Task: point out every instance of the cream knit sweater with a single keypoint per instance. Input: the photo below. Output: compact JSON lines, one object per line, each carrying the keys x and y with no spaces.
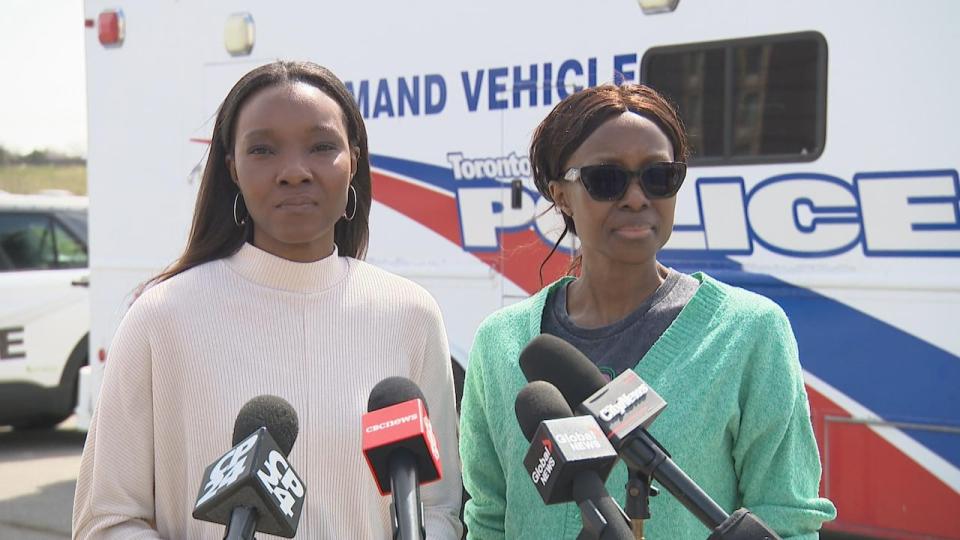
{"x":192,"y":350}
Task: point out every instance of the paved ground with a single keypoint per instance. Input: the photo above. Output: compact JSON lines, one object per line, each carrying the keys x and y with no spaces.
{"x":38,"y":472}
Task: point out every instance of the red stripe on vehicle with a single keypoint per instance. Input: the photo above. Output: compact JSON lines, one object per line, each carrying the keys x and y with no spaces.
{"x":868,"y":479}
{"x":520,"y":253}
{"x":433,"y":210}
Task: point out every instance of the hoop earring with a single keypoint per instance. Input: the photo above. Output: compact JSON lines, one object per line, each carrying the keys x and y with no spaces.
{"x":236,"y":215}
{"x":355,"y":202}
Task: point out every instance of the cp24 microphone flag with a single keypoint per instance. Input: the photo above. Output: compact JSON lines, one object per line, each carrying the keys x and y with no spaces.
{"x":252,"y":488}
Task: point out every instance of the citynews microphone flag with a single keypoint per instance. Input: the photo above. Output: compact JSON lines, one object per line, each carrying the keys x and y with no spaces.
{"x":624,"y":405}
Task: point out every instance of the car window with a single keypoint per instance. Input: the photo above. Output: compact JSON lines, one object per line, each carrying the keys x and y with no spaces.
{"x":27,"y":241}
{"x":5,"y":263}
{"x":75,"y":221}
{"x":70,"y":252}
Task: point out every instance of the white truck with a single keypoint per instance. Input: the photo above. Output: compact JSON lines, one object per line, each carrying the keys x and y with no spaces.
{"x":824,"y":176}
{"x":44,"y":307}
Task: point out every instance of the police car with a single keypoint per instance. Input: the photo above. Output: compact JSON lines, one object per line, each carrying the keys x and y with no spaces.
{"x":44,"y":307}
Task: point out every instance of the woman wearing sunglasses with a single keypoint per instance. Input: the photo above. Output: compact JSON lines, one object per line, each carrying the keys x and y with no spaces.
{"x":611,"y":159}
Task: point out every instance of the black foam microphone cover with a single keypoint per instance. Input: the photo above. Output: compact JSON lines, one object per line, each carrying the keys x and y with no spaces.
{"x":549,"y":358}
{"x":536,"y":402}
{"x":394,"y":390}
{"x":252,"y":487}
{"x":272,"y":412}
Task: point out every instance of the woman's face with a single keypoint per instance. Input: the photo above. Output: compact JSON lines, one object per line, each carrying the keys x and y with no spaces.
{"x":630,"y":230}
{"x":293,"y":164}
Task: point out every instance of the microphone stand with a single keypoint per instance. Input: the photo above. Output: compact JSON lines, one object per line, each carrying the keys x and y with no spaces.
{"x":648,"y":456}
{"x":639,"y":491}
{"x":644,"y":453}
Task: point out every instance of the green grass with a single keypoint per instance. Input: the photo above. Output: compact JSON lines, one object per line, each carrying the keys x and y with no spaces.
{"x":33,"y":178}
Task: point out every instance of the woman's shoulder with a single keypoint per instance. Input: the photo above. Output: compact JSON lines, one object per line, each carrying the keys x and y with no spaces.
{"x":754,"y":324}
{"x":521,"y":319}
{"x":369,"y":279}
{"x":514,"y":316}
{"x":746,"y":315}
{"x":183,"y":287}
{"x":739,"y":301}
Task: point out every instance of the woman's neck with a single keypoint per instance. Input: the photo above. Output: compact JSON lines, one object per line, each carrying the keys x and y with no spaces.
{"x":605,"y":293}
{"x":302,"y":252}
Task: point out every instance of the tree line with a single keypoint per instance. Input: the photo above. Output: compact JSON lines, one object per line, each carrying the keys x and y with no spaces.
{"x":38,"y":157}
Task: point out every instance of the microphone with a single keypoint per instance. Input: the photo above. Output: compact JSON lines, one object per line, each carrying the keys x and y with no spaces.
{"x":569,"y":459}
{"x":401,"y":450}
{"x":252,"y":488}
{"x":743,"y":525}
{"x":623,"y":408}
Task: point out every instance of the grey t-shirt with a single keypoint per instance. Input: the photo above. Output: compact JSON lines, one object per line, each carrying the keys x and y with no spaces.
{"x":618,"y":347}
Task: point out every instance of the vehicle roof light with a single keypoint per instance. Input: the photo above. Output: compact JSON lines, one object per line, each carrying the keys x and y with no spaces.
{"x":652,"y":7}
{"x":238,"y":34}
{"x":111,"y":27}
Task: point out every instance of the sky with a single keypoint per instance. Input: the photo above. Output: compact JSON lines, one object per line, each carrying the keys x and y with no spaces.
{"x":42,"y":87}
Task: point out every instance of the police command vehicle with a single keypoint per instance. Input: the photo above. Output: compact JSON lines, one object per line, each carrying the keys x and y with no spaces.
{"x":824,"y":176}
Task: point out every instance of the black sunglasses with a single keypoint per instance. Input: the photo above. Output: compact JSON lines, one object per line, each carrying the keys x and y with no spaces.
{"x":658,"y":180}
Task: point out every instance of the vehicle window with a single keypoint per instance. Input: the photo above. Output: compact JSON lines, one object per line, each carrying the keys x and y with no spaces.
{"x":754,"y":100}
{"x":5,"y":263}
{"x":70,"y":252}
{"x":27,"y":241}
{"x":75,"y":221}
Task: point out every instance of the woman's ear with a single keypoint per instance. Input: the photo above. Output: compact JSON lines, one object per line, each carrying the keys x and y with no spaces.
{"x":354,"y":159}
{"x":232,"y":167}
{"x":559,"y":196}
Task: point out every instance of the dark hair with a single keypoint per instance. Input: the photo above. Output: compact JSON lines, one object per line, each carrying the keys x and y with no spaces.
{"x":214,"y":233}
{"x":577,"y":116}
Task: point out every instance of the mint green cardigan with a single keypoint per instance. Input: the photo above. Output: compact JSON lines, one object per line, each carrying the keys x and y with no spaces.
{"x":737,"y":421}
